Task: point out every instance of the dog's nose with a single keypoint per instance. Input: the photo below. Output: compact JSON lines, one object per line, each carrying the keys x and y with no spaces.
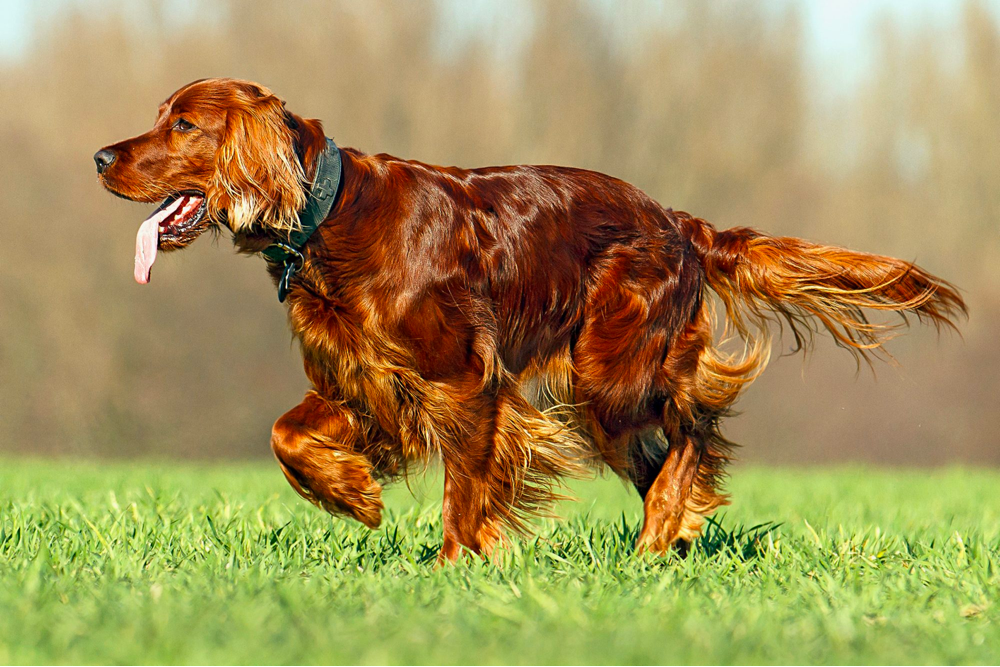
{"x":104,"y":158}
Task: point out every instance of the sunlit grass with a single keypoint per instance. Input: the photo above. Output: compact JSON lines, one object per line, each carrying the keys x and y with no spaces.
{"x":159,"y":563}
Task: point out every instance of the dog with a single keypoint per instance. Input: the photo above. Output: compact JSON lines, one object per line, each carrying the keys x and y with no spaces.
{"x":522,"y":323}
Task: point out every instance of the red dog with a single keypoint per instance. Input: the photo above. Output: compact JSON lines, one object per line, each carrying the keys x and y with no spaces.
{"x":522,"y":323}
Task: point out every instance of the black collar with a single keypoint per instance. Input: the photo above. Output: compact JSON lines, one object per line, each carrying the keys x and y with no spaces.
{"x":322,"y":196}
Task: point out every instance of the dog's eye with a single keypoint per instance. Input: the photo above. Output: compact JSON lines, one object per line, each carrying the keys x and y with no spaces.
{"x":182,"y":125}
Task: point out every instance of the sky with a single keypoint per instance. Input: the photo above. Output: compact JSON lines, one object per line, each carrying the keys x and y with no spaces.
{"x":837,"y":30}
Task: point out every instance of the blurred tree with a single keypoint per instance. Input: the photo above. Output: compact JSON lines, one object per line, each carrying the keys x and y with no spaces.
{"x":711,"y":106}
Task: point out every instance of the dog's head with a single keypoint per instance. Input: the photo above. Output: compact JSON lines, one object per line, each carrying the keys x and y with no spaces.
{"x":222,"y":151}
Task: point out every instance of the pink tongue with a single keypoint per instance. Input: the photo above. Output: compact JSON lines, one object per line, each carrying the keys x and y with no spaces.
{"x":146,"y":242}
{"x":148,"y":239}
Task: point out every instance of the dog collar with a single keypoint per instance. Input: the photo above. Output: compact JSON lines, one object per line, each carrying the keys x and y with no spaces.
{"x":322,"y":196}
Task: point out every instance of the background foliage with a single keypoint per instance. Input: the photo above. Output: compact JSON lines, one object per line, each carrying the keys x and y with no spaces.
{"x":711,"y":106}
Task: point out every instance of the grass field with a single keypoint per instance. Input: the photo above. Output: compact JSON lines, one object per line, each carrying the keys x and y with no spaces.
{"x":185,"y":564}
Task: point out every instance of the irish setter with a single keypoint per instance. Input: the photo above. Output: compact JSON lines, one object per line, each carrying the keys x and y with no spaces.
{"x":522,"y":323}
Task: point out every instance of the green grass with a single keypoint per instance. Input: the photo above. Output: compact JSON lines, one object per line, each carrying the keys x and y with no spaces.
{"x":223,"y":564}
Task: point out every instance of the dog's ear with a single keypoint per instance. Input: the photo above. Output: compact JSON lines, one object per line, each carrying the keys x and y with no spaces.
{"x":310,"y":140}
{"x":258,"y":177}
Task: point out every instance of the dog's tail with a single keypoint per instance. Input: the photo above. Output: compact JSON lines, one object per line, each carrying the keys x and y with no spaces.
{"x":761,"y":278}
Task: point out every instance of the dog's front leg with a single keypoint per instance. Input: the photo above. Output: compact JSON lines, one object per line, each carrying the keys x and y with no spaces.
{"x":317,"y":445}
{"x":502,"y":472}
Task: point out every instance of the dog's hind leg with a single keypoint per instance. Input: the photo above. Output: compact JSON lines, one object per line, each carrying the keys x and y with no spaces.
{"x":665,"y":499}
{"x":317,"y":443}
{"x":693,"y":451}
{"x":684,"y":491}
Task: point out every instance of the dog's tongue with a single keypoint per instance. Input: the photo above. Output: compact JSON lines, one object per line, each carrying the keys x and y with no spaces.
{"x":148,"y":240}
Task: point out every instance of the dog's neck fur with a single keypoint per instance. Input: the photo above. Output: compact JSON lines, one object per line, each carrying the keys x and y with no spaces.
{"x":310,"y":142}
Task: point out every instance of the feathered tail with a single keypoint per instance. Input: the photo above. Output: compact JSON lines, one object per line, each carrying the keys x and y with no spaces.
{"x":762,"y":278}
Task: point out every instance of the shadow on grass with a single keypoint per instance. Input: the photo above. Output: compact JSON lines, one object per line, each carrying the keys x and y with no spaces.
{"x":575,"y":542}
{"x":741,"y":542}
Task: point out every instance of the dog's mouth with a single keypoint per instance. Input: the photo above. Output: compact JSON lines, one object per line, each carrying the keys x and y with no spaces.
{"x":175,"y":223}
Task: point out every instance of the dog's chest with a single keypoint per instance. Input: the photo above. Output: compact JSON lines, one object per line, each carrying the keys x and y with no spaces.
{"x":348,"y":356}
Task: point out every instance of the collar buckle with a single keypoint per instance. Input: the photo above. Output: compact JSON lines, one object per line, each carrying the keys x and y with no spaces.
{"x":293,"y":262}
{"x":291,"y":268}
